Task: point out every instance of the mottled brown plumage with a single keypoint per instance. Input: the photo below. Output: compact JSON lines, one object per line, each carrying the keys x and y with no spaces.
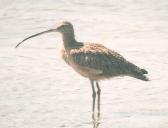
{"x":93,"y":61}
{"x":97,"y":62}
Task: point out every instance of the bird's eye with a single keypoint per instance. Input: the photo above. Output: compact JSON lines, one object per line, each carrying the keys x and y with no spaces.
{"x":63,"y":26}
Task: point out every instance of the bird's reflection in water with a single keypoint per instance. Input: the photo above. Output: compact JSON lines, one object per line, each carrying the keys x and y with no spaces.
{"x":96,"y":120}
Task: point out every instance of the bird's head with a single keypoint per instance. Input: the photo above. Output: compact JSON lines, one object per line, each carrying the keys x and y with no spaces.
{"x":64,"y":27}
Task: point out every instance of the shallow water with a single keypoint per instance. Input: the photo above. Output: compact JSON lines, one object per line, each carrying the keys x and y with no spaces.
{"x":38,"y":90}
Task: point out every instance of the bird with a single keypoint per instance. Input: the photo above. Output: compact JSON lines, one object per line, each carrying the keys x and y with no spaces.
{"x":92,"y":60}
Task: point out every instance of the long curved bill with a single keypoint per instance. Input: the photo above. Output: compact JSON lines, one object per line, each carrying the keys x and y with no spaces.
{"x":47,"y":31}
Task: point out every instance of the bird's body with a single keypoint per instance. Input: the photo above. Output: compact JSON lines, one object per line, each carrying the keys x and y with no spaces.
{"x":97,"y":62}
{"x":94,"y":61}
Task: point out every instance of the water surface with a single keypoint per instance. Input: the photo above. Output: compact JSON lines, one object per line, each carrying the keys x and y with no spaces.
{"x":38,"y":90}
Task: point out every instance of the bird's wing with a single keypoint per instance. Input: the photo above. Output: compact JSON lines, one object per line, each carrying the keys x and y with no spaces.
{"x":98,"y":57}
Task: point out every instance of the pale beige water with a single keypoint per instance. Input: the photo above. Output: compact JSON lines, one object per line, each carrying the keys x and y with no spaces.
{"x":38,"y":90}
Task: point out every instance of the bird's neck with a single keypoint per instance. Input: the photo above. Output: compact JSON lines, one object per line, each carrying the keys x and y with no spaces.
{"x":69,"y":40}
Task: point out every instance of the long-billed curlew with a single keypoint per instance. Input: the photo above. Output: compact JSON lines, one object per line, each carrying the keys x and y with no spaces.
{"x":94,"y":61}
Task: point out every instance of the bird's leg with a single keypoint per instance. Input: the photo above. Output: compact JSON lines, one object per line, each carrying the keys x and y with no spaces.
{"x":93,"y":96}
{"x":98,"y":93}
{"x":95,"y":116}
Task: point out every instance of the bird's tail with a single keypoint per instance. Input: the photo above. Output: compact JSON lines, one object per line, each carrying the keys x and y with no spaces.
{"x":141,"y":76}
{"x":144,"y":71}
{"x":137,"y":72}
